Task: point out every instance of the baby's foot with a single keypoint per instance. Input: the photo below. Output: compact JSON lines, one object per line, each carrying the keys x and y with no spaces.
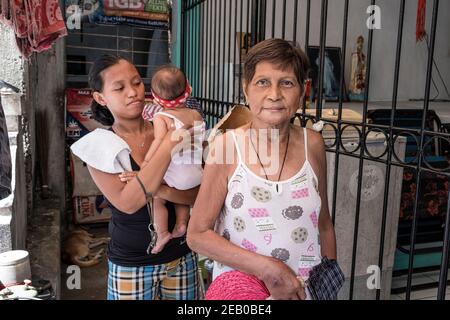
{"x":179,"y":230}
{"x":161,"y":241}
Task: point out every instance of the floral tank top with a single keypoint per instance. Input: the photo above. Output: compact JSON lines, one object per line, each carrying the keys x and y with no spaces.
{"x":279,"y":221}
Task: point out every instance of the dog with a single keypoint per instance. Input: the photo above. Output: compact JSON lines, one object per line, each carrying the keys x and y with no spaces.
{"x":77,"y":248}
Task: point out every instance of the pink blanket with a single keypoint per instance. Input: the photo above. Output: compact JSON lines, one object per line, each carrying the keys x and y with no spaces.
{"x":36,"y":23}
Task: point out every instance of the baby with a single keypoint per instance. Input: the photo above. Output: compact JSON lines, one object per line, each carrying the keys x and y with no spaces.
{"x":170,"y":90}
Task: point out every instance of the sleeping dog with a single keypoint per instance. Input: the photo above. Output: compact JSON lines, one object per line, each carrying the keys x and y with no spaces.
{"x":78,"y":247}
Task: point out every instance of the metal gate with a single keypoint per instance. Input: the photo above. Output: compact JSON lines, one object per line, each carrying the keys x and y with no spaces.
{"x":216,"y":34}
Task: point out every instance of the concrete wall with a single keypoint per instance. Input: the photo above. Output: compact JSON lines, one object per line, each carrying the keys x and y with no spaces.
{"x":41,"y":80}
{"x":47,"y":81}
{"x":414,"y":55}
{"x":15,"y":208}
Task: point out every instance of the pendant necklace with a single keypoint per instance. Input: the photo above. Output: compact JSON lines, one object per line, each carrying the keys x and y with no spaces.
{"x":259,"y":159}
{"x":140,"y":145}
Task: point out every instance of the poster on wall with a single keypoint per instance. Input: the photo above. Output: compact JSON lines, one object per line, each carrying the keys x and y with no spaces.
{"x":79,"y":121}
{"x":331,"y":73}
{"x":93,"y":209}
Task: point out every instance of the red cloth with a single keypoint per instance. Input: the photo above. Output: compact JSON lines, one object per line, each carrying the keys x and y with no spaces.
{"x":36,"y":23}
{"x":420,"y":24}
{"x":169,"y":104}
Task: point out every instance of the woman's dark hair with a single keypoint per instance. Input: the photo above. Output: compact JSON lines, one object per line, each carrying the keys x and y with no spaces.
{"x":100,"y":113}
{"x":280,"y":52}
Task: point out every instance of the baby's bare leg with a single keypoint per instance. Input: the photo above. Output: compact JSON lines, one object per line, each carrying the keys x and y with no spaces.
{"x":183,"y":214}
{"x":160,"y":215}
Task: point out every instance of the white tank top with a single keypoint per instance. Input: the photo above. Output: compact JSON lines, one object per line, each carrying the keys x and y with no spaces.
{"x":282,"y":224}
{"x":185,"y":170}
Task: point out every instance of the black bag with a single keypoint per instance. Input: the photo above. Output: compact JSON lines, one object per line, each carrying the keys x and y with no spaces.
{"x":325,"y":280}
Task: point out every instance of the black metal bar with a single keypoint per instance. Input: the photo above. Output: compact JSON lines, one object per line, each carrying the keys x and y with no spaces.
{"x":183,"y":35}
{"x":416,"y":287}
{"x":445,"y":256}
{"x":341,"y":90}
{"x":193,"y":4}
{"x":361,"y":162}
{"x":197,"y":43}
{"x":421,"y":144}
{"x":247,"y":29}
{"x":393,"y":163}
{"x":202,"y":52}
{"x":294,"y":35}
{"x":190,"y":67}
{"x":308,"y":19}
{"x":254,"y":22}
{"x":323,"y":40}
{"x":308,"y":22}
{"x":240,"y":53}
{"x":222,"y":53}
{"x":262,"y":20}
{"x":274,"y":10}
{"x":390,"y":140}
{"x":216,"y":61}
{"x":283,"y":22}
{"x":190,"y":39}
{"x":235,"y":59}
{"x":231,"y":66}
{"x":209,"y":59}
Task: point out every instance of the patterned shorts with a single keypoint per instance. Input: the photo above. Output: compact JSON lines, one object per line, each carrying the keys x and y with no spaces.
{"x":176,"y":280}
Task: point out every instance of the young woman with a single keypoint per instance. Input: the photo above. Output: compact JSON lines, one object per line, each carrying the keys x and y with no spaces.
{"x":134,"y":273}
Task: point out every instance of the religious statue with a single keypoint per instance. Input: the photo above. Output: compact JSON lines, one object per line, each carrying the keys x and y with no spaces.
{"x":330,"y":82}
{"x":358,"y":75}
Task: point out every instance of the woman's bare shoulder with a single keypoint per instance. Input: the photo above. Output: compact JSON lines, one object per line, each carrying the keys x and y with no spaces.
{"x":314,"y":137}
{"x":316,"y":144}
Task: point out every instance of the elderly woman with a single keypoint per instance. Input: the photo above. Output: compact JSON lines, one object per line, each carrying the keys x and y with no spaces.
{"x":271,"y":218}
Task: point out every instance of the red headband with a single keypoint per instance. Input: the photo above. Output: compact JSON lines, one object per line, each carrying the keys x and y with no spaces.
{"x":175,"y":102}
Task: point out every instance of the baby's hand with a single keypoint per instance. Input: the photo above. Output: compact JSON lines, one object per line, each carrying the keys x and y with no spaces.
{"x":127,"y":176}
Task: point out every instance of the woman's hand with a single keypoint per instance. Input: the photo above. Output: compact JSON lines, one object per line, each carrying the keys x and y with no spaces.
{"x":281,"y":281}
{"x":125,"y":177}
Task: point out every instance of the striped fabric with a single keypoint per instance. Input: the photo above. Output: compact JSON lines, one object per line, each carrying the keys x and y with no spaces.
{"x":325,"y":280}
{"x":176,"y":280}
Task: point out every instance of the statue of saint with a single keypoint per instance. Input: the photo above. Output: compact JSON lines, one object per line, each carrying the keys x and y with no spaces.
{"x":358,"y":75}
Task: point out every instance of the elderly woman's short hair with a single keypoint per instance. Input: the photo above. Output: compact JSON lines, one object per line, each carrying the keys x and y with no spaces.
{"x":279,"y":52}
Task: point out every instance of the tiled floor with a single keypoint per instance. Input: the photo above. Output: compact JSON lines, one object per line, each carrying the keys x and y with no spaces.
{"x":422,"y":278}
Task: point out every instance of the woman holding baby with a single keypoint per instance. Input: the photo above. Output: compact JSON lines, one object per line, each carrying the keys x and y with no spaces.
{"x":135,"y":273}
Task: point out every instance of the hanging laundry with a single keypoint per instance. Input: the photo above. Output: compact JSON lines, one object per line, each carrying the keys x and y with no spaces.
{"x":36,"y":23}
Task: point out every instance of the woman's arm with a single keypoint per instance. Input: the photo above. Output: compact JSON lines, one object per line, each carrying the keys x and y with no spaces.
{"x":129,"y":197}
{"x":326,"y":229}
{"x":159,"y":131}
{"x":186,"y":197}
{"x":280,"y":279}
